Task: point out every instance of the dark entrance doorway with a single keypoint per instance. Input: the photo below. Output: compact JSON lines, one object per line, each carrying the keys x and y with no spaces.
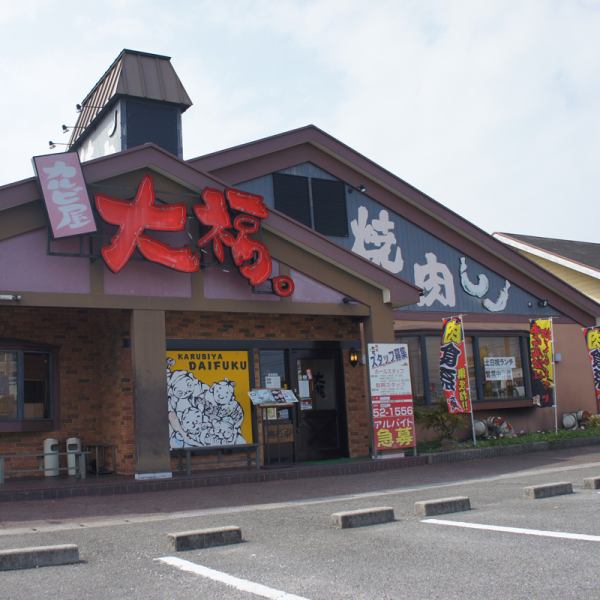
{"x":316,"y":377}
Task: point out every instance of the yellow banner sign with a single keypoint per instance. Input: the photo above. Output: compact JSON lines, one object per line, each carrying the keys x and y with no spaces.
{"x":542,"y":361}
{"x":208,"y":398}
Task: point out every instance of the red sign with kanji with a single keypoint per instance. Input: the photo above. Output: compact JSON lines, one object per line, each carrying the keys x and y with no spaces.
{"x":232,"y":217}
{"x":393,"y":422}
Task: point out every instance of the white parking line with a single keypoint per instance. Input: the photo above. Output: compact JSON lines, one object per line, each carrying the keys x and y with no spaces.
{"x":239,"y":584}
{"x":519,"y":530}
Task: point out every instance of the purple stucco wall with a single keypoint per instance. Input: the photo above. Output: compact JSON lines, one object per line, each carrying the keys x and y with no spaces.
{"x":141,"y":278}
{"x":309,"y":290}
{"x":230,"y":285}
{"x":25,"y":265}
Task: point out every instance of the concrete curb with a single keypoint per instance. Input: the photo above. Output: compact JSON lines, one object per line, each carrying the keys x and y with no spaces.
{"x":204,"y":538}
{"x":548,"y":490}
{"x":442,"y":506}
{"x":591,"y":483}
{"x":495,"y":451}
{"x":38,"y":556}
{"x":363,"y":517}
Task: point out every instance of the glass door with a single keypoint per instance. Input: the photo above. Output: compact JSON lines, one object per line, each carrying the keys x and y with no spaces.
{"x":316,"y":377}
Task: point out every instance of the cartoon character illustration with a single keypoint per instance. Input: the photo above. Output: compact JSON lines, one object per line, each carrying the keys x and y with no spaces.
{"x":225,"y":413}
{"x":184,"y":396}
{"x":202,"y":415}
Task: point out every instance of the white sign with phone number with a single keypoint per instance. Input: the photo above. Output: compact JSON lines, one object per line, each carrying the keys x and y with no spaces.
{"x":391,"y":396}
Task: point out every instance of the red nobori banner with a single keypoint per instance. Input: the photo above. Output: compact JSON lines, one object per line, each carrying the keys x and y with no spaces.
{"x":454,"y":373}
{"x":391,"y":396}
{"x":592,"y":341}
{"x":542,"y":361}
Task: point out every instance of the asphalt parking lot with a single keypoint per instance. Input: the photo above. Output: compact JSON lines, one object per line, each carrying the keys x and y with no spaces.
{"x":291,"y":549}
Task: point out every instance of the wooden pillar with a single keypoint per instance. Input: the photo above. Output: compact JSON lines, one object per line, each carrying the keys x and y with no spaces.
{"x":379,"y":327}
{"x":148,"y":347}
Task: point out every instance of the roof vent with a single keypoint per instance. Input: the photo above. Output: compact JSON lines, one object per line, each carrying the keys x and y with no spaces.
{"x":138,"y":100}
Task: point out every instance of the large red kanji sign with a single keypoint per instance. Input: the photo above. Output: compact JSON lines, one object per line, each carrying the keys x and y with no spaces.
{"x":133,"y":218}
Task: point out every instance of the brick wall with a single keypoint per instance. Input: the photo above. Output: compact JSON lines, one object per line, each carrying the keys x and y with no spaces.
{"x":189,"y":325}
{"x":96,"y":388}
{"x":94,"y":377}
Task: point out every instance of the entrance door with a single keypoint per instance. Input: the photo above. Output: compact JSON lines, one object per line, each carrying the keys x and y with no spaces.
{"x":321,"y":423}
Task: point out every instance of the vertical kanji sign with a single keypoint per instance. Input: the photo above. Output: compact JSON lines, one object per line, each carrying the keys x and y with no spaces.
{"x":592,"y":342}
{"x":454,"y":373}
{"x":391,"y":397}
{"x":65,"y":194}
{"x":541,"y":348}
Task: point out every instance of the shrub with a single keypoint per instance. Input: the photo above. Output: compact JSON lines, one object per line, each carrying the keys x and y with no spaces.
{"x":438,"y":419}
{"x":593,"y":422}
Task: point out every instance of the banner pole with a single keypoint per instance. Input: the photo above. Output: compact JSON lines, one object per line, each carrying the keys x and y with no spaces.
{"x":554,"y":371}
{"x":468,"y":382}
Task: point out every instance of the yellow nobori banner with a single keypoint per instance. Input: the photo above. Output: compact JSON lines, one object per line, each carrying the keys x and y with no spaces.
{"x":541,"y":346}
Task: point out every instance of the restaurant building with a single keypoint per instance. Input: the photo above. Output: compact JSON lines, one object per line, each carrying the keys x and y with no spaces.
{"x":264,"y":265}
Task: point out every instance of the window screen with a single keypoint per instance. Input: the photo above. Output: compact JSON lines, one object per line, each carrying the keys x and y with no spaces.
{"x":329,"y":207}
{"x":291,"y":197}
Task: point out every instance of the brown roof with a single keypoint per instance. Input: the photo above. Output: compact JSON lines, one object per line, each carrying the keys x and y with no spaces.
{"x":133,"y":73}
{"x":584,"y":253}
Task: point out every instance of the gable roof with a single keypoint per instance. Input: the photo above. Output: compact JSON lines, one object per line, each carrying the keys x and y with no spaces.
{"x":310,"y":144}
{"x":394,"y":291}
{"x":579,"y":256}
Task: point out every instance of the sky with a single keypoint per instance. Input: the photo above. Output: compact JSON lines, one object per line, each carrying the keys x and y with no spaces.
{"x":492,"y":108}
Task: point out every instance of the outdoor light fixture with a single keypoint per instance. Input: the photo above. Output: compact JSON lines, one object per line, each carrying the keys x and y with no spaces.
{"x":53,"y":145}
{"x":353,"y":357}
{"x":66,"y":128}
{"x":80,"y":107}
{"x":542,"y":303}
{"x":362,"y":188}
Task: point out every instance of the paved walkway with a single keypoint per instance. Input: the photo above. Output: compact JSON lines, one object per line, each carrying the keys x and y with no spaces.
{"x":260,"y":492}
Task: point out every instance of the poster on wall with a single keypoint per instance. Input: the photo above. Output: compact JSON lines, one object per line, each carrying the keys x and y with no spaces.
{"x":391,"y":397}
{"x":454,"y":373}
{"x":499,"y":368}
{"x":542,"y":361}
{"x":592,"y":342}
{"x":208,"y":398}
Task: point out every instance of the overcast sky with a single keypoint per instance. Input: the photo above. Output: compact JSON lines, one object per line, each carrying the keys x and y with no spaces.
{"x":492,"y":108}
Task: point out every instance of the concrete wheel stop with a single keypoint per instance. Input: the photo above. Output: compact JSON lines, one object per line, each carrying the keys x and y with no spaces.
{"x":442,"y":506}
{"x":363,"y":517}
{"x":38,"y":556}
{"x":204,"y":538}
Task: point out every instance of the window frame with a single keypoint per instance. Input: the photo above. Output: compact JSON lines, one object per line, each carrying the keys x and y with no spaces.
{"x":477,"y":394}
{"x":20,"y":423}
{"x":308,"y":180}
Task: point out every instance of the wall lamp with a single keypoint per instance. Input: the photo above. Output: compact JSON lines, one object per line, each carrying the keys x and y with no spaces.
{"x":353,"y":357}
{"x":53,"y":145}
{"x":11,"y":297}
{"x":80,"y":107}
{"x":542,"y":303}
{"x":66,"y":128}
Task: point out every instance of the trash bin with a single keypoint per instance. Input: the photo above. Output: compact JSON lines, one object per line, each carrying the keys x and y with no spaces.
{"x":51,"y":457}
{"x":73,"y":448}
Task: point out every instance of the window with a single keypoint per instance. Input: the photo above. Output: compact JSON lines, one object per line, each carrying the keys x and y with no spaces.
{"x":496,"y":367}
{"x":501,"y":367}
{"x":317,"y":203}
{"x":273,"y":368}
{"x":25,"y":385}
